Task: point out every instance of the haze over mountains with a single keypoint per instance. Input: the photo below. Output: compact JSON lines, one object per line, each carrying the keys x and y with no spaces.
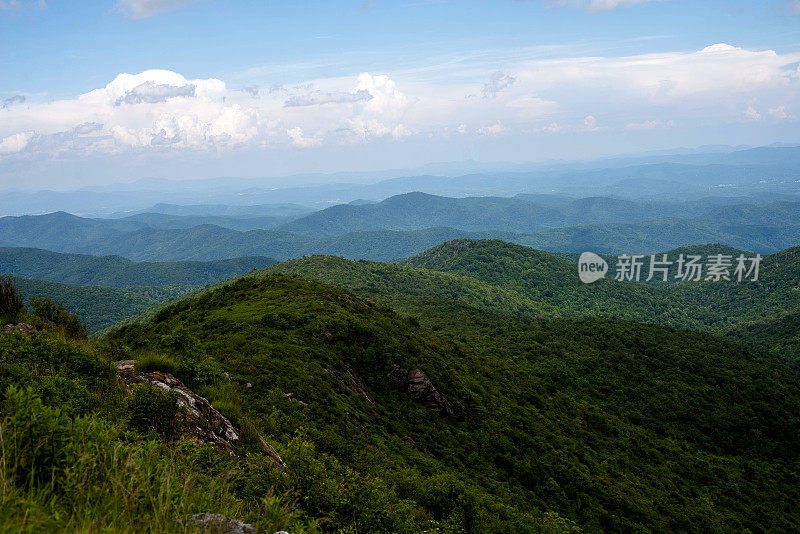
{"x":678,"y":176}
{"x":407,"y":224}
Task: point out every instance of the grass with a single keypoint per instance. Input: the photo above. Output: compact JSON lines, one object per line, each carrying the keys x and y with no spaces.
{"x":147,"y":362}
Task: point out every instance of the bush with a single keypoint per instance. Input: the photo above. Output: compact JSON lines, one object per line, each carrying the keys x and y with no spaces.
{"x":54,"y":313}
{"x":153,"y":409}
{"x":154,"y":361}
{"x":84,"y":474}
{"x":11,"y":305}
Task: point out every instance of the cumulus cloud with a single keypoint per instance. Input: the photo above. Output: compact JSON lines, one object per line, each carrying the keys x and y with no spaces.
{"x":317,"y":98}
{"x":299,"y":140}
{"x":10,"y":101}
{"x":650,"y":125}
{"x":497,"y":83}
{"x":590,"y":123}
{"x":494,"y":129}
{"x":751,"y":114}
{"x":15,"y":142}
{"x":151,"y":93}
{"x":793,"y":7}
{"x":161,"y":110}
{"x":778,"y":112}
{"x":140,"y":9}
{"x":553,"y":127}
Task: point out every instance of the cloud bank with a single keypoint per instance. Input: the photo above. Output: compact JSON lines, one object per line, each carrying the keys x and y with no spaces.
{"x":162,"y":111}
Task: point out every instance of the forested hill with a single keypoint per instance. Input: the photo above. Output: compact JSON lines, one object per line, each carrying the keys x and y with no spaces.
{"x":511,"y":441}
{"x":115,"y":271}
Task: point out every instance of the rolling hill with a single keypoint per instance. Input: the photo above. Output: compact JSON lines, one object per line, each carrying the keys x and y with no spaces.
{"x":115,"y":271}
{"x":98,"y":307}
{"x":523,"y":446}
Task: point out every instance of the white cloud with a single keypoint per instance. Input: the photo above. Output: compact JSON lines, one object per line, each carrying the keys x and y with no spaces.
{"x":15,"y":142}
{"x":161,"y":110}
{"x":778,"y":112}
{"x":650,"y":125}
{"x":140,"y":9}
{"x":12,"y":100}
{"x":497,"y":83}
{"x":793,"y":7}
{"x":318,"y":98}
{"x":553,"y":127}
{"x":751,"y":114}
{"x":590,"y":123}
{"x":299,"y":140}
{"x":495,"y":129}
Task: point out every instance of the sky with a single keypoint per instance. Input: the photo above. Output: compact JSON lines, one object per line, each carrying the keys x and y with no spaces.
{"x":98,"y":92}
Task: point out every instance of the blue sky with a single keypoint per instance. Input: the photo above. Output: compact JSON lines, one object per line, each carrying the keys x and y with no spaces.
{"x":95,"y":92}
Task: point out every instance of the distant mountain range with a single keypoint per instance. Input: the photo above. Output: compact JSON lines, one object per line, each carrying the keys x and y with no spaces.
{"x":678,"y":176}
{"x":119,"y":272}
{"x":407,"y":224}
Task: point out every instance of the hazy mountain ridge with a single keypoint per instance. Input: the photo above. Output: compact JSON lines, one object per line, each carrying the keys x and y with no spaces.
{"x":679,"y":176}
{"x":116,"y":271}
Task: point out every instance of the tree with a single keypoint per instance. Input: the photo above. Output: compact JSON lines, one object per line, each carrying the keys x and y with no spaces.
{"x":10,"y":299}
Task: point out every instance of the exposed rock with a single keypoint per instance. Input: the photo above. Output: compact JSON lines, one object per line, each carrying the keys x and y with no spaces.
{"x":216,"y":524}
{"x":277,"y":461}
{"x":290,"y":396}
{"x":350,"y":380}
{"x":205,"y":423}
{"x":19,"y":328}
{"x":420,"y":389}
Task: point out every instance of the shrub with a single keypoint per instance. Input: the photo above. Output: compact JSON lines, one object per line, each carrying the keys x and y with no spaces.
{"x":62,"y":474}
{"x":10,"y":300}
{"x":197,"y":371}
{"x":154,"y":361}
{"x":54,"y":313}
{"x":153,"y":409}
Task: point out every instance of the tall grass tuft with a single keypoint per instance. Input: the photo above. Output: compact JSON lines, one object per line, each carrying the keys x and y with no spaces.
{"x":155,"y":361}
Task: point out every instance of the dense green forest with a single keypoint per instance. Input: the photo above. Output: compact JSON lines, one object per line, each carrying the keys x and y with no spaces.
{"x":550,"y":405}
{"x":99,"y":307}
{"x":115,"y":271}
{"x":602,"y":467}
{"x":407,"y":224}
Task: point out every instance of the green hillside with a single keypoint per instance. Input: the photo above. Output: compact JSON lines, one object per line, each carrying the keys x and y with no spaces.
{"x":115,"y":271}
{"x":525,"y":446}
{"x":391,"y":278}
{"x":98,"y":307}
{"x":545,"y":278}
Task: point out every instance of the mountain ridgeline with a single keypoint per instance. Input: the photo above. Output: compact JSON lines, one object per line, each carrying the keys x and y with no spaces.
{"x":531,"y":442}
{"x":407,"y":224}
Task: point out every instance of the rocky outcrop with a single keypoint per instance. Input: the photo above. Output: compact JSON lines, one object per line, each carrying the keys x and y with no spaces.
{"x":351,"y":381}
{"x":204,"y":423}
{"x":420,"y":389}
{"x":277,"y":461}
{"x":216,"y":524}
{"x":19,"y":328}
